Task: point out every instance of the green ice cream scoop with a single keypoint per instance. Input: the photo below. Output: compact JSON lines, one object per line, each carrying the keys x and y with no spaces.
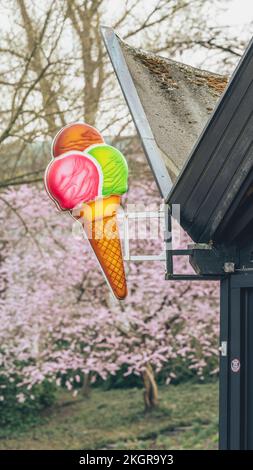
{"x":114,"y":168}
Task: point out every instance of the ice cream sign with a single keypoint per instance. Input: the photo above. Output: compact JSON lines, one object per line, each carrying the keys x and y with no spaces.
{"x":87,"y":177}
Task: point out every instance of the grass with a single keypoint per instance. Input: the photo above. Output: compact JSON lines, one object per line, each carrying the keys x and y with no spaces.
{"x":186,"y":419}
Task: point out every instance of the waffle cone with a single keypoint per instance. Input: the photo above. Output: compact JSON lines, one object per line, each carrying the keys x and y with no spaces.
{"x":100,"y":224}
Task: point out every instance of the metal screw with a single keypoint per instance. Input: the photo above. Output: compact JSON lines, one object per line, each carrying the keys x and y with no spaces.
{"x":229,"y":267}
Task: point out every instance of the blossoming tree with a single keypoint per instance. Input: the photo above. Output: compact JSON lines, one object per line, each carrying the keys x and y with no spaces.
{"x":58,"y":321}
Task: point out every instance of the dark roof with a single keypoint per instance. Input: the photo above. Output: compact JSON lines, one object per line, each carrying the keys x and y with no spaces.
{"x":215,"y":187}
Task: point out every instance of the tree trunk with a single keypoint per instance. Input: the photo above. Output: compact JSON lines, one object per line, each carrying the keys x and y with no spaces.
{"x":86,"y":386}
{"x":150,"y":389}
{"x":49,"y":97}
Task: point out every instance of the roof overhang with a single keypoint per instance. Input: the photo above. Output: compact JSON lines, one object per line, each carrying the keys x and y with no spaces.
{"x":211,"y":168}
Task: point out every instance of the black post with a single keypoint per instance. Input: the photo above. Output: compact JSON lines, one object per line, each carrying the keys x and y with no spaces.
{"x":236,"y":362}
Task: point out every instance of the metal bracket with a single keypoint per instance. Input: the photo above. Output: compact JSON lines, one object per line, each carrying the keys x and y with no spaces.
{"x":168,"y":253}
{"x":199,"y":255}
{"x":126,"y":217}
{"x":223,"y":348}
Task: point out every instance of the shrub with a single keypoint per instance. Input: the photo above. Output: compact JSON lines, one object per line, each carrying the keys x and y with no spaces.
{"x":19,"y":407}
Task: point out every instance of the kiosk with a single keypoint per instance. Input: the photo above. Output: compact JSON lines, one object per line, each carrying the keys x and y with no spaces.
{"x":215,"y":192}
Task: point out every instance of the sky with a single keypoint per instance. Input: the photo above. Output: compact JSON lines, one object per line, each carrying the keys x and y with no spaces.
{"x":236,"y":14}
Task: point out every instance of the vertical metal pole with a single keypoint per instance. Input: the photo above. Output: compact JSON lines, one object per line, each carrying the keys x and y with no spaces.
{"x":236,"y":368}
{"x":224,"y":341}
{"x":168,"y":239}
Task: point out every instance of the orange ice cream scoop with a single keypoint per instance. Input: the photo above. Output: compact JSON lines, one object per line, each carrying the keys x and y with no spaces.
{"x":76,"y":136}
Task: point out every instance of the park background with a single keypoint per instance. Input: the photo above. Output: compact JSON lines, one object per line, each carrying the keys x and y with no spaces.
{"x":77,"y":369}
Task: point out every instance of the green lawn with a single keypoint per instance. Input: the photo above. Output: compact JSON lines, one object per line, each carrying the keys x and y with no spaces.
{"x":186,"y":419}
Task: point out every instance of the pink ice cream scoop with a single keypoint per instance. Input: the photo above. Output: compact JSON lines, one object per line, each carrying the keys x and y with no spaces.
{"x":73,"y":178}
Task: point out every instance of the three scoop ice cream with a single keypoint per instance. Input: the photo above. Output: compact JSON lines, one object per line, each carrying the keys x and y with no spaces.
{"x":88,"y":174}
